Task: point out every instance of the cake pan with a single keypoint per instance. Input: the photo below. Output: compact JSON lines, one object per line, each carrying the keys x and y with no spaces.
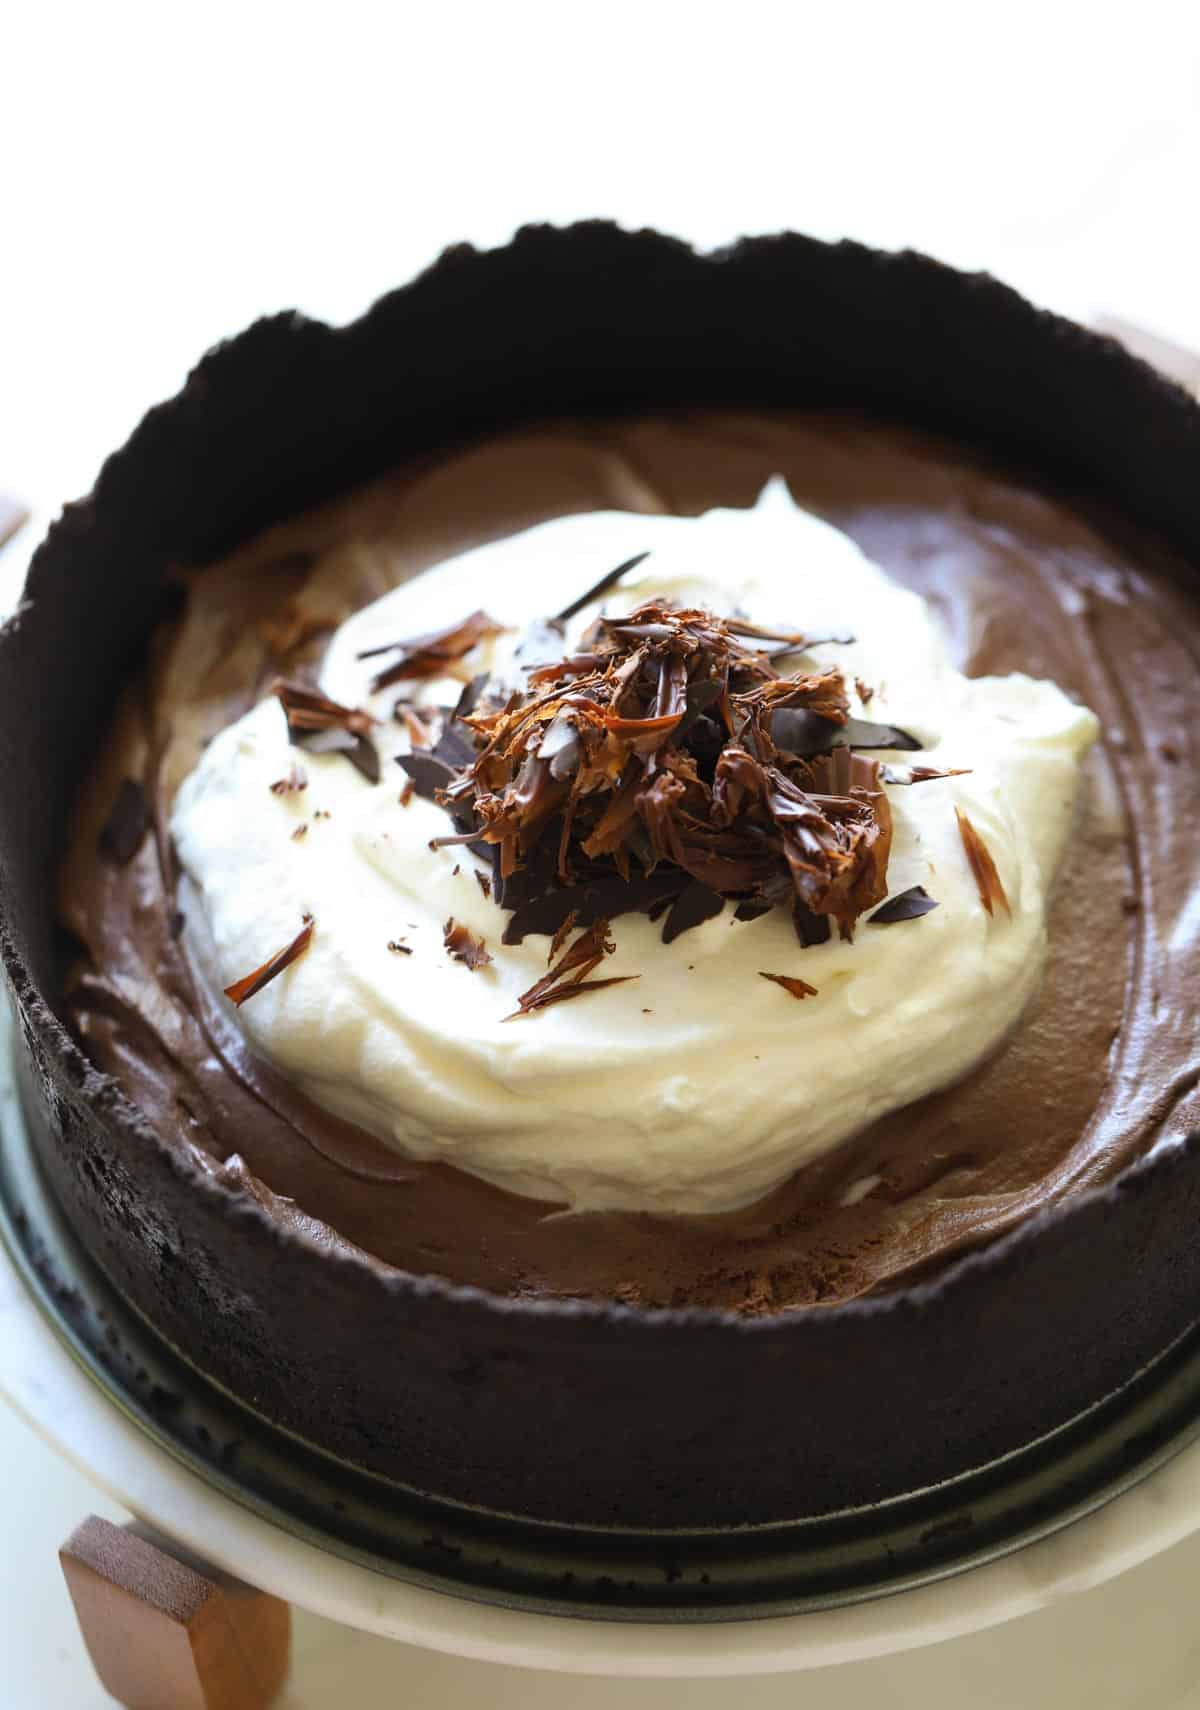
{"x":646,"y":1423}
{"x":676,"y":1574}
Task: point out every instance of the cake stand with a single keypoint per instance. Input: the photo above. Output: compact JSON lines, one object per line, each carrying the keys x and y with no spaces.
{"x":44,"y":1377}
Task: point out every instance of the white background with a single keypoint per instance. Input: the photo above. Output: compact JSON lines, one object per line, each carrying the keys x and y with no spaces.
{"x":168,"y":173}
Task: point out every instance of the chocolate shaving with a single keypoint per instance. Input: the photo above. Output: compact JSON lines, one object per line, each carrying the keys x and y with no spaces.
{"x":920,"y":774}
{"x":365,"y":756}
{"x":454,"y":747}
{"x":798,"y":988}
{"x":979,"y":858}
{"x":905,"y":905}
{"x":450,"y":842}
{"x":600,"y":588}
{"x":810,"y":928}
{"x":432,"y":655}
{"x":471,"y":695}
{"x":808,"y":733}
{"x":407,"y":793}
{"x":297,"y":779}
{"x":420,"y":729}
{"x":587,"y":952}
{"x":568,"y":977}
{"x":321,"y":726}
{"x":245,"y":988}
{"x":694,"y":904}
{"x":359,"y":750}
{"x":464,"y":945}
{"x":751,"y":910}
{"x":561,"y":994}
{"x":128,"y":822}
{"x":427,"y":773}
{"x":788,"y":641}
{"x":860,"y":733}
{"x":563,"y":932}
{"x":399,"y":949}
{"x":308,"y":709}
{"x":485,"y":884}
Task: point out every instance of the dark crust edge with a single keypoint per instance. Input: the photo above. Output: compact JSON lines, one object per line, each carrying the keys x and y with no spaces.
{"x":591,"y":321}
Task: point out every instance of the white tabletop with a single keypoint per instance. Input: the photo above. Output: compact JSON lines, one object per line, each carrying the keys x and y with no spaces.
{"x":167,"y":174}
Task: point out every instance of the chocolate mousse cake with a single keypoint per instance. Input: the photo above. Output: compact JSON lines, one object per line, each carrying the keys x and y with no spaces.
{"x":650,"y":892}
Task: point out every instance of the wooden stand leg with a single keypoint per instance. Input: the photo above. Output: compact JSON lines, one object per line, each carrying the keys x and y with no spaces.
{"x":165,"y":1632}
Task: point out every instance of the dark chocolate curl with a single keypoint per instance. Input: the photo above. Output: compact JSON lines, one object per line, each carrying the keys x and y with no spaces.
{"x":905,"y":905}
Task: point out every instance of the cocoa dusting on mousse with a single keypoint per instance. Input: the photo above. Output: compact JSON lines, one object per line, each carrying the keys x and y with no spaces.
{"x":664,"y":767}
{"x":246,"y":987}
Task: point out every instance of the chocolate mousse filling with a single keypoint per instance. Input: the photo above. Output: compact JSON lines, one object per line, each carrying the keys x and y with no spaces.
{"x":1103,"y":1067}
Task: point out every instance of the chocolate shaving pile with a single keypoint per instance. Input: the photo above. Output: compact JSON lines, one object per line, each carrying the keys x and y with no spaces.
{"x":464,"y":946}
{"x":979,"y":856}
{"x":321,"y":726}
{"x":665,"y":766}
{"x":245,"y":988}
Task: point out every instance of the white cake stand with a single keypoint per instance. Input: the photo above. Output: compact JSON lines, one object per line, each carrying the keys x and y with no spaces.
{"x":42,"y":1379}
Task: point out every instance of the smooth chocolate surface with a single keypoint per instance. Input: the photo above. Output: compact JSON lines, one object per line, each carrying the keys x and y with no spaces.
{"x":1102,"y":1068}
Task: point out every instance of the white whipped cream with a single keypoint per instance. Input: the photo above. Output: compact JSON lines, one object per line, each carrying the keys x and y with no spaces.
{"x":698,"y":1086}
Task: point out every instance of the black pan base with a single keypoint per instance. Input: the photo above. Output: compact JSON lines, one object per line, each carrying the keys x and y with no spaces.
{"x":704,"y":1575}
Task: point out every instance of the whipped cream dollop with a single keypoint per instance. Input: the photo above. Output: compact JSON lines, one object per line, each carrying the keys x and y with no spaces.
{"x":697,"y":1086}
